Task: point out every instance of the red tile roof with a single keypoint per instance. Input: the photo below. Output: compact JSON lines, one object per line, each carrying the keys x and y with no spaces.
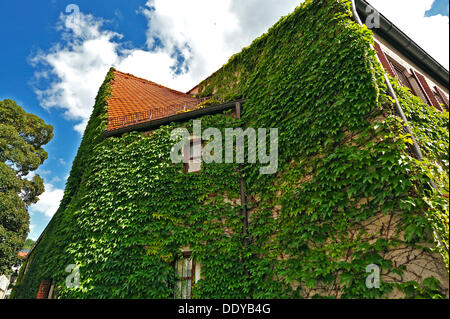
{"x":22,"y":254}
{"x":136,"y":100}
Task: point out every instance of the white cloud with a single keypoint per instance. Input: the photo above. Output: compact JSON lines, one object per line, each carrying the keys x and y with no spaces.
{"x":205,"y":33}
{"x":48,"y":201}
{"x":44,"y":172}
{"x":38,"y":171}
{"x":31,"y":235}
{"x":30,"y":175}
{"x":431,"y":33}
{"x":208,"y":33}
{"x":78,"y":67}
{"x":55,"y":179}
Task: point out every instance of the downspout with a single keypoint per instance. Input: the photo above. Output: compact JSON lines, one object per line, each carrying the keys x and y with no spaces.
{"x":398,"y":108}
{"x":242,"y":190}
{"x":243,"y":196}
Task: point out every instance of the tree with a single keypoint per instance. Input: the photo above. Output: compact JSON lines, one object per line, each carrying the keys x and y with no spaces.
{"x":29,"y":243}
{"x":22,"y":136}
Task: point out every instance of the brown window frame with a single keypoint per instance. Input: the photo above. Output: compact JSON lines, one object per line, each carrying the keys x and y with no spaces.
{"x":426,"y":90}
{"x":401,"y":73}
{"x":443,"y":97}
{"x":383,"y":59}
{"x":440,"y":97}
{"x":44,"y":289}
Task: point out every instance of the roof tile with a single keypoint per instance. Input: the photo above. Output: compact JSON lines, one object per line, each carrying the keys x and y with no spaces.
{"x":133,"y":96}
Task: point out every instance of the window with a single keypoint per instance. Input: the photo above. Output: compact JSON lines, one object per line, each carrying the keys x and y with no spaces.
{"x":46,"y":290}
{"x":184,"y":269}
{"x":402,"y":78}
{"x":410,"y":80}
{"x":193,"y":155}
{"x":413,"y":80}
{"x":402,"y":75}
{"x":418,"y":90}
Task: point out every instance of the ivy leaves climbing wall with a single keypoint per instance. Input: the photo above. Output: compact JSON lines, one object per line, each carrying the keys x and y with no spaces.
{"x":348,"y":193}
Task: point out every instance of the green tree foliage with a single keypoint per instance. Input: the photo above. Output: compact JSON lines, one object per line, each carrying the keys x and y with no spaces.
{"x":22,"y":136}
{"x":28,"y":244}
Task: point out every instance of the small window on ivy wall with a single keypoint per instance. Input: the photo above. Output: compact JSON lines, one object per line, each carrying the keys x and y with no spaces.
{"x":46,"y":290}
{"x":193,"y":155}
{"x":184,"y":270}
{"x":402,"y":75}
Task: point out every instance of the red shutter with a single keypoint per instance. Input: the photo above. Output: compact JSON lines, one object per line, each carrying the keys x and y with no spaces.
{"x":44,"y":289}
{"x":442,"y":95}
{"x":426,"y":90}
{"x":384,"y":61}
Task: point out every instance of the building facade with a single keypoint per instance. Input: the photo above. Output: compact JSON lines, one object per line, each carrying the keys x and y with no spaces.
{"x":348,"y":213}
{"x":6,"y":281}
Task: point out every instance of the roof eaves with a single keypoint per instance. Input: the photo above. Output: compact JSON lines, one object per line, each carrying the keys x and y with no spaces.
{"x":182,"y":117}
{"x":405,"y":45}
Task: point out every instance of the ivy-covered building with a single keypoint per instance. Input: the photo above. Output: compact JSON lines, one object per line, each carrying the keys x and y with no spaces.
{"x":351,"y":193}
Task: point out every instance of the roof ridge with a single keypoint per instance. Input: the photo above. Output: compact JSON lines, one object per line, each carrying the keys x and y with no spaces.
{"x":151,"y":82}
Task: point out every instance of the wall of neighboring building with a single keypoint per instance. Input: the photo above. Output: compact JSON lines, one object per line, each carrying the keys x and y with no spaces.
{"x":193,"y":90}
{"x":4,"y":283}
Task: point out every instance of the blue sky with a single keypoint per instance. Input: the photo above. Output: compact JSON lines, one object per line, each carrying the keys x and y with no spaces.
{"x":438,"y":7}
{"x":25,"y":28}
{"x":53,"y":67}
